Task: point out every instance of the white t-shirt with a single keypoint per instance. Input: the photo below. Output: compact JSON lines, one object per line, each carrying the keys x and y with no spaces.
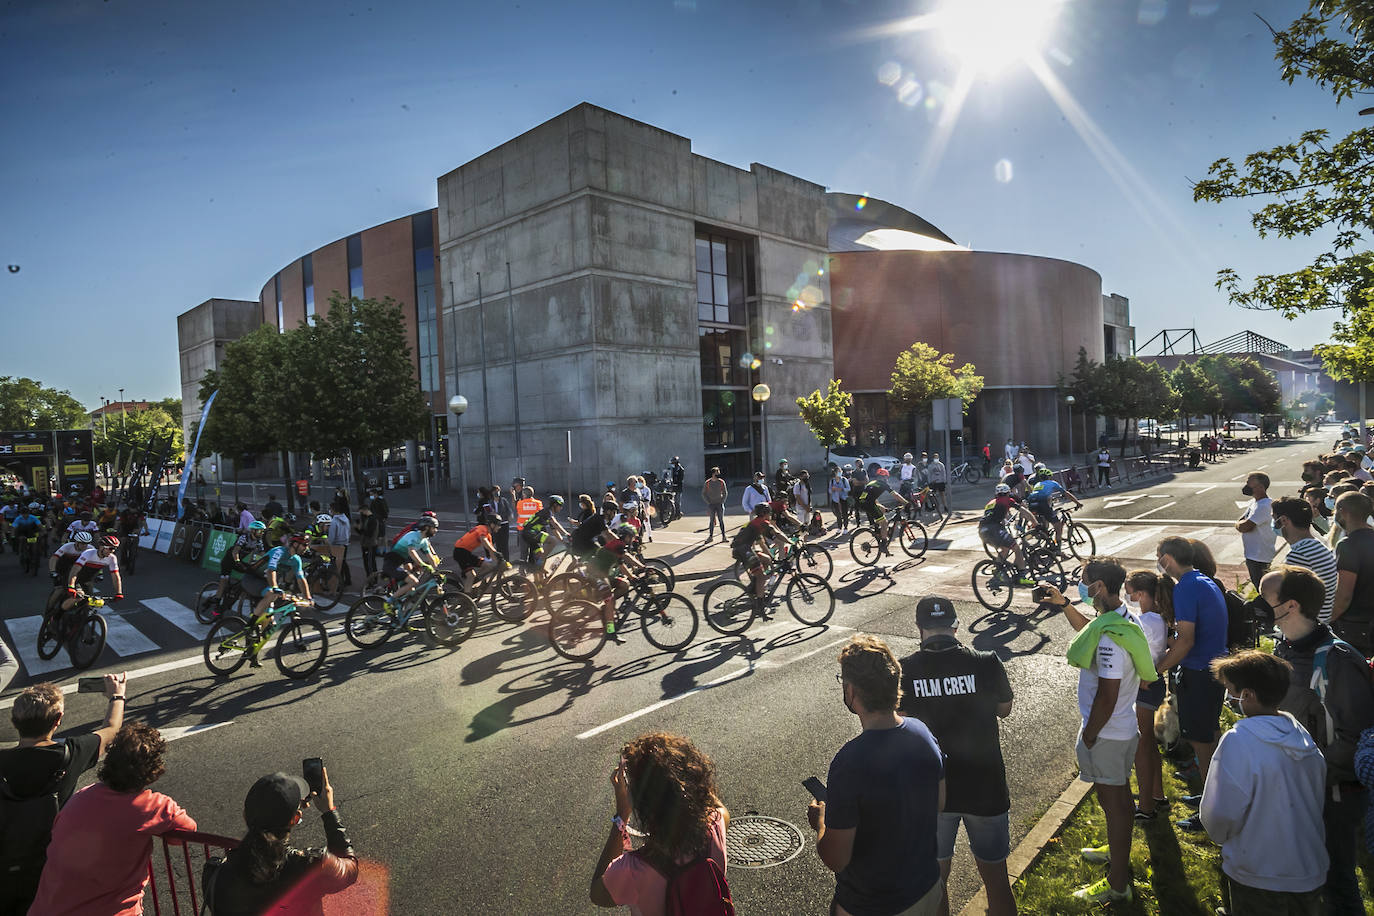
{"x":1112,"y":662}
{"x":1104,"y":459}
{"x":1027,"y":465}
{"x":907,"y":470}
{"x":1259,"y":544}
{"x":1011,"y":451}
{"x":1156,"y":634}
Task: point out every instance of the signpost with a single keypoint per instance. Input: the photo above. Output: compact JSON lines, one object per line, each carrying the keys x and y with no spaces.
{"x":947,"y":414}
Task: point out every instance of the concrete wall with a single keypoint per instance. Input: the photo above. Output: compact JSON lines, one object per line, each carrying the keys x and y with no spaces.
{"x":202,"y":334}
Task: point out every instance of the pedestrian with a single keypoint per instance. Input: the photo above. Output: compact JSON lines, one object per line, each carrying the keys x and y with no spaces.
{"x":102,"y":841}
{"x":876,"y":830}
{"x":367,"y":539}
{"x":341,"y":499}
{"x":265,"y":872}
{"x":714,"y":493}
{"x":1352,"y":611}
{"x":1113,"y":658}
{"x":838,"y":490}
{"x":1150,"y":596}
{"x":801,"y":496}
{"x":965,"y":722}
{"x":1010,"y":450}
{"x":1255,"y":526}
{"x":906,"y":474}
{"x":938,"y":476}
{"x":40,"y":768}
{"x":1330,"y":696}
{"x":668,"y":787}
{"x":987,"y":458}
{"x":245,"y":518}
{"x":646,"y":499}
{"x":504,"y":509}
{"x":677,"y":476}
{"x":1200,"y":625}
{"x":382,"y":511}
{"x":1293,"y":523}
{"x":1104,"y":467}
{"x":339,"y":534}
{"x":271,"y":509}
{"x":1263,"y":798}
{"x":755,"y":493}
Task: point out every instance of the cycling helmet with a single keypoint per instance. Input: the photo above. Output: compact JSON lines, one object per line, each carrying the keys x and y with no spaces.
{"x":763,"y":509}
{"x":610,"y":484}
{"x":427,"y":521}
{"x":297,"y":540}
{"x":66,"y":510}
{"x":630,"y":506}
{"x":428,"y":513}
{"x":676,"y":460}
{"x":1002,"y":489}
{"x":1044,"y":472}
{"x":556,"y":499}
{"x":907,"y":456}
{"x":881,"y":472}
{"x":782,"y":461}
{"x":82,"y":537}
{"x":109,"y":541}
{"x":35,"y":505}
{"x":256,"y":526}
{"x":625,"y":531}
{"x":847,"y":468}
{"x":323,"y":519}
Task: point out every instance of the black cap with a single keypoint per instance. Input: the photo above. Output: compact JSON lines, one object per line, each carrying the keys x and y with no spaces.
{"x":273,"y":802}
{"x":934,"y":613}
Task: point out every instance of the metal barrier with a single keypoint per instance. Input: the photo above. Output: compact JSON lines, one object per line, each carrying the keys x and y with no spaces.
{"x":175,"y":885}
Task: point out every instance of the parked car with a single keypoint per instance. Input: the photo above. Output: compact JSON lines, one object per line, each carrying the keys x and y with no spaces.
{"x":850,"y":455}
{"x":1240,"y":426}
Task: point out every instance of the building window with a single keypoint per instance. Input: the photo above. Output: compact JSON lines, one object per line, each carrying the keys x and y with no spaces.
{"x":426,"y":313}
{"x":355,"y":266}
{"x":308,"y":282}
{"x":281,"y":312}
{"x":1109,"y":339}
{"x":728,"y":368}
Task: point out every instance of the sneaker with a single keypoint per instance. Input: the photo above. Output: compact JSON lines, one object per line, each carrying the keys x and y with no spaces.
{"x":1025,"y":582}
{"x":616,"y":638}
{"x":1101,"y":892}
{"x":253,"y":662}
{"x":1191,"y":824}
{"x":1141,"y":816}
{"x":1192,"y":801}
{"x":1099,"y":855}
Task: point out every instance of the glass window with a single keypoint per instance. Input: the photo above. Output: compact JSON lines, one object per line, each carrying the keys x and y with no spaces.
{"x":308,"y":282}
{"x":718,"y":256}
{"x":281,"y":312}
{"x":704,"y":285}
{"x":722,"y":291}
{"x":725,"y":419}
{"x":355,"y":266}
{"x":706,"y":311}
{"x":703,"y":255}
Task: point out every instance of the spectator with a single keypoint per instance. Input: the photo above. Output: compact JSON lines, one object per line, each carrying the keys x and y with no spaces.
{"x":1113,"y":658}
{"x":939,"y":479}
{"x":1104,"y":467}
{"x":102,"y":840}
{"x":782,"y":479}
{"x":367,"y":538}
{"x":755,"y":493}
{"x":1256,"y":535}
{"x":987,"y":458}
{"x":801,"y":496}
{"x":646,"y":499}
{"x":1200,"y":623}
{"x":1352,"y":611}
{"x":877,"y":829}
{"x":838,"y":489}
{"x":341,"y":500}
{"x":1337,"y":533}
{"x":669,"y":786}
{"x":39,"y":766}
{"x":383,"y":512}
{"x":1010,"y":450}
{"x":1331,"y":698}
{"x":1293,"y":523}
{"x":265,"y":872}
{"x":965,"y":723}
{"x":271,"y":509}
{"x":714,"y":493}
{"x":1150,"y":596}
{"x":9,"y":664}
{"x":1265,"y":787}
{"x":340,"y":533}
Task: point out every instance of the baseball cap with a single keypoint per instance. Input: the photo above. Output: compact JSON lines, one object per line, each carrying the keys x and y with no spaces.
{"x":273,"y":802}
{"x":934,"y":612}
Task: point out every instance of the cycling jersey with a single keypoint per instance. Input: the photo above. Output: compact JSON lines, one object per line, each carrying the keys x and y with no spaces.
{"x":868,"y":498}
{"x":74,"y":527}
{"x":70,"y":550}
{"x":91,"y":562}
{"x":995,"y":512}
{"x":1043,"y":493}
{"x":286,"y":568}
{"x":604,"y":562}
{"x":583,"y":538}
{"x":411,"y":540}
{"x":26,"y":525}
{"x":754,"y":530}
{"x":473,"y":539}
{"x":9,"y":512}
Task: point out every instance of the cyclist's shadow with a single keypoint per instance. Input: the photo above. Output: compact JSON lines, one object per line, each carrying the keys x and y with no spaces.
{"x":856,"y":583}
{"x":998,"y":631}
{"x":569,"y":678}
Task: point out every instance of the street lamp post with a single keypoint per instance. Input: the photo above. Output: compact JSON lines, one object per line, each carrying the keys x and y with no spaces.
{"x":121,"y":412}
{"x":457,"y":405}
{"x":762,"y":393}
{"x":1069,"y":400}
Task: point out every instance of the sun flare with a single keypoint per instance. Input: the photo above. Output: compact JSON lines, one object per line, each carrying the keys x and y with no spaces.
{"x":987,"y":35}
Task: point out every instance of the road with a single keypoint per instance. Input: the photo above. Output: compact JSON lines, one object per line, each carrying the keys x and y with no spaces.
{"x":477,"y":779}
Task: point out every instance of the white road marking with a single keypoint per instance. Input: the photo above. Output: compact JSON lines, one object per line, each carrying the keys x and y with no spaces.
{"x":1121,"y":544}
{"x":1205,"y":489}
{"x":1152,"y":511}
{"x":1241,"y":476}
{"x":1116,"y":502}
{"x":175,"y":732}
{"x":178,"y":615}
{"x":24,"y":638}
{"x":1261,"y":467}
{"x":126,"y":639}
{"x":1242,"y":503}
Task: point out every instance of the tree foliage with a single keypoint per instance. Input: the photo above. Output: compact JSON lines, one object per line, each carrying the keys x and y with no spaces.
{"x":1123,"y":388}
{"x":827,"y":415}
{"x":250,"y":413}
{"x":1316,"y":186}
{"x":27,"y":404}
{"x":118,"y":438}
{"x":1351,"y":357}
{"x":1198,"y":394}
{"x":924,"y":374}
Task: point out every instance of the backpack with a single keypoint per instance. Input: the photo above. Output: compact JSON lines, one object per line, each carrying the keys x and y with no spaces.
{"x":1242,"y":631}
{"x":1321,"y":680}
{"x":26,"y":825}
{"x":741,"y":538}
{"x":698,"y":888}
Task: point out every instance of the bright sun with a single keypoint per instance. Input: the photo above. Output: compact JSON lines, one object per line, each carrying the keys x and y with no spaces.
{"x":987,"y":35}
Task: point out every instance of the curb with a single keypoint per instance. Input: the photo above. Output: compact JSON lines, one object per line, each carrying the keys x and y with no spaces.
{"x":1030,"y":847}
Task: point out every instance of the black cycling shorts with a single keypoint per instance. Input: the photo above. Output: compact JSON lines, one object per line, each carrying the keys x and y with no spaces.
{"x":466,"y":559}
{"x":391,"y":565}
{"x":996,"y":535}
{"x":751,"y":559}
{"x":875,"y":513}
{"x":1042,"y":510}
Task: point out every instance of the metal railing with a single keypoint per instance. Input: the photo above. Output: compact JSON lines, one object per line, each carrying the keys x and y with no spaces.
{"x":174,"y":880}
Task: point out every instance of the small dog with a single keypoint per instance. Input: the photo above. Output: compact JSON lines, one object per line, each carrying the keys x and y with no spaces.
{"x":1167,"y":728}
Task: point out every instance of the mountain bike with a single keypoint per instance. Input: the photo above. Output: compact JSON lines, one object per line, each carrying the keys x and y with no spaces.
{"x":810,"y":558}
{"x":966,"y":473}
{"x":449,"y":616}
{"x":730,"y":606}
{"x":866,"y":544}
{"x":995,"y":581}
{"x":301,"y":646}
{"x":209,"y":606}
{"x":29,"y":553}
{"x":81,"y":629}
{"x":667,"y":620}
{"x":513,"y":595}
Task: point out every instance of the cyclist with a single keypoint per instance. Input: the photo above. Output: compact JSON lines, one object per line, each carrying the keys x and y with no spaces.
{"x":91,"y":562}
{"x":319,"y":532}
{"x":907,"y":473}
{"x":239,"y":558}
{"x":676,"y":476}
{"x":412,"y":550}
{"x":783,"y":518}
{"x":278,"y":529}
{"x":283,"y":568}
{"x":582,"y":543}
{"x":869,"y":502}
{"x":747,"y":546}
{"x":539,"y":527}
{"x":428,"y":513}
{"x":464,"y":550}
{"x":60,"y":563}
{"x":992,"y":529}
{"x":83,"y":523}
{"x":1042,"y":497}
{"x":602,"y":569}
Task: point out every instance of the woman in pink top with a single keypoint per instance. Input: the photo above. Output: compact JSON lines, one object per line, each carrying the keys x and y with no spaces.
{"x":670,"y":787}
{"x":101,"y":841}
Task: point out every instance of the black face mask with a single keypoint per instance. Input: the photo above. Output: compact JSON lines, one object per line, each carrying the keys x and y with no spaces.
{"x":1306,"y":478}
{"x":1247,"y":490}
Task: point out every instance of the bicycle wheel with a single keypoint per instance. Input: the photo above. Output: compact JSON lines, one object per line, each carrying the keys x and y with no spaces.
{"x":654,"y":583}
{"x":972,"y":474}
{"x":816,"y":560}
{"x":668,"y":575}
{"x":913,"y":538}
{"x":863,"y":546}
{"x":568,"y":586}
{"x":1079,"y":540}
{"x":991,"y":584}
{"x":205,"y":604}
{"x":576,"y":630}
{"x":514,"y":598}
{"x":49,"y":640}
{"x":323,"y":595}
{"x":669,"y":621}
{"x":301,"y":648}
{"x":369,"y":622}
{"x":729,"y":608}
{"x":810,"y":599}
{"x":451,"y":618}
{"x":226,"y":646}
{"x":87,"y":642}
{"x":378,"y":583}
{"x":1044,"y":563}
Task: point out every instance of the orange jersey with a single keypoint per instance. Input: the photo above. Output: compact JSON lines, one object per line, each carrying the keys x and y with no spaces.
{"x":525,"y":510}
{"x":473,"y":539}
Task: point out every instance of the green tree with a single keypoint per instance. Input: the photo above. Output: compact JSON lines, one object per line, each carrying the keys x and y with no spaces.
{"x":827,"y":415}
{"x":254,"y":407}
{"x":1198,"y":395}
{"x":27,"y":404}
{"x":1132,"y":389}
{"x":923,"y":374}
{"x":117,"y":439}
{"x":1316,"y":187}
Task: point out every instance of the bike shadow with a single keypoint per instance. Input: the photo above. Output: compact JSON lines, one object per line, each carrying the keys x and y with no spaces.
{"x":568,"y":678}
{"x":518,"y":646}
{"x":1002,"y":632}
{"x":856,"y":584}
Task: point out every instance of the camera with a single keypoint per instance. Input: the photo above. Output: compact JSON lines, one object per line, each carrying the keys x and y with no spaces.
{"x":1040,"y":594}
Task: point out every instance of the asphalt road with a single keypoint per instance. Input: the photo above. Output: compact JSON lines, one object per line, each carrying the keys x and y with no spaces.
{"x":477,"y":779}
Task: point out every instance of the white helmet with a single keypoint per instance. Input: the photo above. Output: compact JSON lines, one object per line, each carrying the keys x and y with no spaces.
{"x":323,"y":519}
{"x":82,"y":537}
{"x":907,"y":456}
{"x":1002,"y":489}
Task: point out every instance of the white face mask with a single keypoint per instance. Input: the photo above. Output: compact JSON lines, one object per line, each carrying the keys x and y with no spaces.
{"x":1132,"y":605}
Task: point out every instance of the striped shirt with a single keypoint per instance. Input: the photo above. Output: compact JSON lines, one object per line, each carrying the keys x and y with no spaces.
{"x":1314,"y":555}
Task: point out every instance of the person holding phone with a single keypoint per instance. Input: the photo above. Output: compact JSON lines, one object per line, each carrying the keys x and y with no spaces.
{"x":265,"y":872}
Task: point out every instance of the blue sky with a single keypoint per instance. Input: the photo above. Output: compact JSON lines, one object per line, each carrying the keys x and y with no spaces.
{"x":158,"y":154}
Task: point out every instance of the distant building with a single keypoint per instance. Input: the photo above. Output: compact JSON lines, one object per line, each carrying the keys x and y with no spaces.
{"x":116,"y":408}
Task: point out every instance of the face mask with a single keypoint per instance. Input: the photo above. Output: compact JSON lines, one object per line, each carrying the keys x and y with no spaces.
{"x":1329,"y":502}
{"x":1278,"y":529}
{"x":1085,"y":593}
{"x":1131,"y":605}
{"x":1247,"y":490}
{"x":1306,"y":478}
{"x":1234,"y":704}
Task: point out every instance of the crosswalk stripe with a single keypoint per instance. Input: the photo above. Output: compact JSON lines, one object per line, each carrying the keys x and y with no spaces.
{"x":24,"y":636}
{"x":125,"y":639}
{"x":178,"y":615}
{"x":1117,"y":545}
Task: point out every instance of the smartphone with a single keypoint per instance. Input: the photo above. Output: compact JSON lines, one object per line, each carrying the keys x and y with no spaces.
{"x":312,"y":770}
{"x":90,"y":684}
{"x":1039,"y":594}
{"x":815,"y":787}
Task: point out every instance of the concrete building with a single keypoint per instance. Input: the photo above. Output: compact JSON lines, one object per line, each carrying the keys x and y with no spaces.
{"x":202,"y":334}
{"x":1118,"y":336}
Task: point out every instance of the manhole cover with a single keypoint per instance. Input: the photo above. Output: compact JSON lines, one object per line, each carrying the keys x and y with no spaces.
{"x":755,"y":841}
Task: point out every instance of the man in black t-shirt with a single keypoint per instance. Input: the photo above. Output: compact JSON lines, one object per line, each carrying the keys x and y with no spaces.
{"x":1352,"y":610}
{"x":960,"y":694}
